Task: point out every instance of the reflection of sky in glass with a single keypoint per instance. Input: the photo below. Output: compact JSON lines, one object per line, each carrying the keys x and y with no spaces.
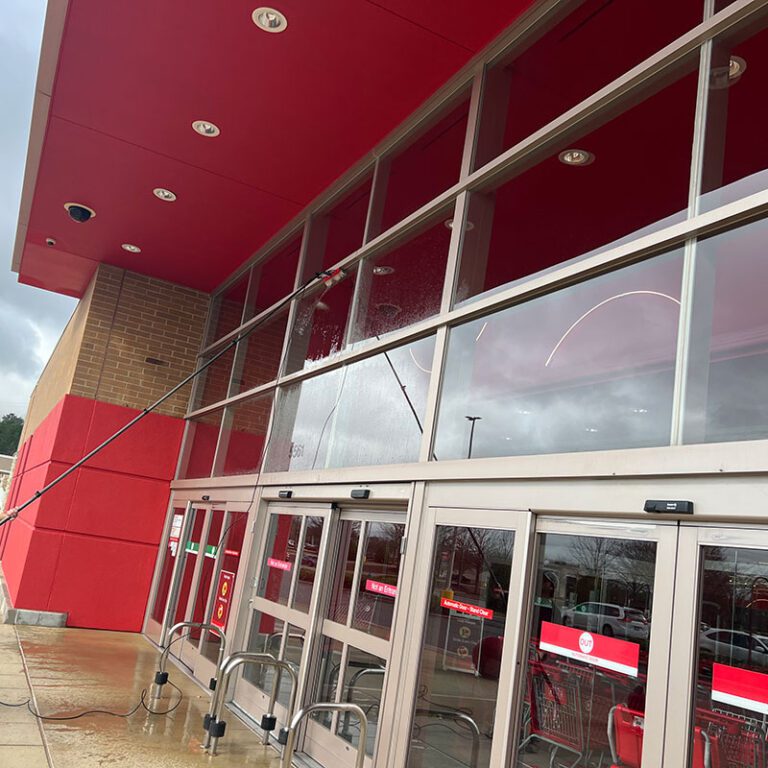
{"x":359,"y":414}
{"x":607,"y":385}
{"x":729,"y":361}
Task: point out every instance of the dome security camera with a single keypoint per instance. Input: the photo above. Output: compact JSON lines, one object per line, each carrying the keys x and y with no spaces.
{"x":79,"y":212}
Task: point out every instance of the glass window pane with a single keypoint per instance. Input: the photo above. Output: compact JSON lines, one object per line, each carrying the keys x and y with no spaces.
{"x":277,"y":568}
{"x":403,"y":285}
{"x":320,"y":326}
{"x":328,"y":677}
{"x":169,"y":561}
{"x":735,"y":151}
{"x":634,"y":179}
{"x":344,"y":571}
{"x":308,"y":563}
{"x":258,"y":355}
{"x":528,"y":89}
{"x":429,"y":165}
{"x":377,"y":592}
{"x":191,"y":551}
{"x":242,"y":436}
{"x":227,"y":310}
{"x":369,"y":412}
{"x":725,"y":395}
{"x":232,"y":541}
{"x":363,"y":684}
{"x":213,"y":383}
{"x":463,"y":642}
{"x":586,"y":674}
{"x":206,"y":574}
{"x":266,"y":636}
{"x":200,"y":445}
{"x":273,"y":278}
{"x":589,"y":367}
{"x":344,"y":225}
{"x":732,"y":669}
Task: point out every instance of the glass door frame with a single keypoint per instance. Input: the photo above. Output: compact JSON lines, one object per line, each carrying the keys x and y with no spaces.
{"x":323,"y":739}
{"x":153,"y":629}
{"x":684,"y":653}
{"x":182,"y":650}
{"x":202,"y":667}
{"x":246,"y":696}
{"x":665,"y":534}
{"x":520,"y":522}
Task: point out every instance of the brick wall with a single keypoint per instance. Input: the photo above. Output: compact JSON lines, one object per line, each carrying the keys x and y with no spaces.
{"x":141,"y":337}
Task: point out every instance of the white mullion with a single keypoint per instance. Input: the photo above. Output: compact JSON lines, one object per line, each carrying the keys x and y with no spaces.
{"x":358,"y":571}
{"x":431,"y":409}
{"x":297,"y":568}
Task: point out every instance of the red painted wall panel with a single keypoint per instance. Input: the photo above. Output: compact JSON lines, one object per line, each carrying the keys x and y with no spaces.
{"x":102,"y":583}
{"x":118,"y":506}
{"x":88,"y":547}
{"x":150,"y":449}
{"x":30,"y":565}
{"x":61,"y":435}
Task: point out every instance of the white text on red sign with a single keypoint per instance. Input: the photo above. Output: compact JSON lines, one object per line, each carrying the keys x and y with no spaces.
{"x":380,"y":588}
{"x":468,"y":608}
{"x":281,"y":565}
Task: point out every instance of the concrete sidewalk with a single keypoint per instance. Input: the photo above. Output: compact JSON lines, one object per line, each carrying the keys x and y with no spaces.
{"x":66,"y":671}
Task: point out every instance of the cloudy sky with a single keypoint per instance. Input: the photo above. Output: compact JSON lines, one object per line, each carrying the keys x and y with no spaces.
{"x":30,"y":319}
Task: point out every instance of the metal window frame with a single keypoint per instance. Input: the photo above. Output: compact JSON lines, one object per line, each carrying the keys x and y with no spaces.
{"x":683,"y":233}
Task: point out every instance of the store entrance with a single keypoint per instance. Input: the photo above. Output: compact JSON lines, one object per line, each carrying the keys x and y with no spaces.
{"x":203,"y":548}
{"x":324,"y":600}
{"x":642,"y":645}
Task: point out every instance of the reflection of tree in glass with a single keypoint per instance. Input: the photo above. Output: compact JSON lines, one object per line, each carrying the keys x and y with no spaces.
{"x":634,"y":567}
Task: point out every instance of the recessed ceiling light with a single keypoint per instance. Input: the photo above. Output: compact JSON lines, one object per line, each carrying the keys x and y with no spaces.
{"x":576,"y":157}
{"x":726,"y":76}
{"x":204,"y":128}
{"x":131,"y":248}
{"x":469,"y":226}
{"x":269,"y":20}
{"x":736,"y":67}
{"x":164,"y":194}
{"x":380,"y":271}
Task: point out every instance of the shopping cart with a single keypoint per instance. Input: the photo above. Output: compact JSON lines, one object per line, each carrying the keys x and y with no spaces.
{"x":741,"y":741}
{"x":599,"y":694}
{"x":556,"y":715}
{"x":626,"y":728}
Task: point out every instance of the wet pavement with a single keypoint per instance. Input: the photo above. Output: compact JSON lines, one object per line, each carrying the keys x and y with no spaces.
{"x":66,"y":671}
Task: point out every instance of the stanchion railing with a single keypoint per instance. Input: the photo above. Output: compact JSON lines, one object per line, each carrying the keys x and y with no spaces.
{"x":215,"y":727}
{"x":377,"y":671}
{"x":457,"y":717}
{"x":161,"y":676}
{"x":290,"y":744}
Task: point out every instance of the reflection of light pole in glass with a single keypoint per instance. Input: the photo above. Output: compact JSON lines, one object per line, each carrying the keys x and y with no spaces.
{"x":472,"y":419}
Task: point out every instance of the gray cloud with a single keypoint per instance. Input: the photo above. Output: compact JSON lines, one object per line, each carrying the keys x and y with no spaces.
{"x":30,"y":319}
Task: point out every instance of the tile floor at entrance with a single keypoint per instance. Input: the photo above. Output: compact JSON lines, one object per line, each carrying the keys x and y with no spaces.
{"x":67,"y":671}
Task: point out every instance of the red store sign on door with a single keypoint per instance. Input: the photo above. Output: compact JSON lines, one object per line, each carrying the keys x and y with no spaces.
{"x":223,"y":599}
{"x":591,"y":648}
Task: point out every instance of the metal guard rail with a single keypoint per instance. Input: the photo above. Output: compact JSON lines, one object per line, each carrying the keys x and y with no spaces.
{"x":290,"y":744}
{"x":212,"y":723}
{"x":161,"y":676}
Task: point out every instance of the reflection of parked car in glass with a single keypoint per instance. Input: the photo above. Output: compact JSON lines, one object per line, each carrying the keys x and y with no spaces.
{"x":608,"y":619}
{"x":733,"y":645}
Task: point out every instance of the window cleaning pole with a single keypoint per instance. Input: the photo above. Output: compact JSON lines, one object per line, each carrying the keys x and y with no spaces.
{"x":330,"y":278}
